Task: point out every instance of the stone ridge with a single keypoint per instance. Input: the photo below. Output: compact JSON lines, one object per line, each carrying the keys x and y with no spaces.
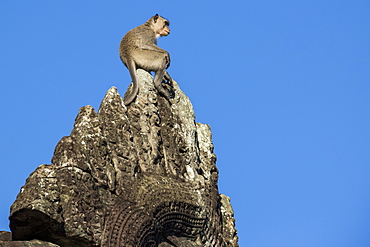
{"x":142,"y":175}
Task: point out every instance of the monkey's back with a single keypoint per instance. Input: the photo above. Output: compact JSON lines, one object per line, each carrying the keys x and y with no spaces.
{"x":135,"y":39}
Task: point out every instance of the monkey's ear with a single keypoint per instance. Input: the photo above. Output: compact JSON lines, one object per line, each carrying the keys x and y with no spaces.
{"x":156,"y":18}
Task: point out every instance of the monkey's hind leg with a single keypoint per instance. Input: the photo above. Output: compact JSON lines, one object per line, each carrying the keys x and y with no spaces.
{"x":130,"y":96}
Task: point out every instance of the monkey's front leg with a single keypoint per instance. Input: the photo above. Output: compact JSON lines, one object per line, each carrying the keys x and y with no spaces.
{"x":168,"y":84}
{"x":168,"y":61}
{"x":158,"y":83}
{"x":167,"y":78}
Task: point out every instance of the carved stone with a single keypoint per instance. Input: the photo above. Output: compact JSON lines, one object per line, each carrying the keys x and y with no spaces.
{"x":142,"y":175}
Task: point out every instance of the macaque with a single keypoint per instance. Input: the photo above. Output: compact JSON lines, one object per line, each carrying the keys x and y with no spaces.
{"x":139,"y":50}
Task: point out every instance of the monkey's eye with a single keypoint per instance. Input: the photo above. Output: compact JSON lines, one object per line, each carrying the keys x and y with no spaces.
{"x":166,"y":23}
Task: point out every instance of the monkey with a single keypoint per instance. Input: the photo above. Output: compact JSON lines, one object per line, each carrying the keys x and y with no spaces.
{"x":139,"y":50}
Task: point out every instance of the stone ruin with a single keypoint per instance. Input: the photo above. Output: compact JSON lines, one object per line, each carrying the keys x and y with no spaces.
{"x":141,"y":175}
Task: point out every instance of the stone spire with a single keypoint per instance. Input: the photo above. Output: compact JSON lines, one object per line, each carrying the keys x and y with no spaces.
{"x":142,"y":175}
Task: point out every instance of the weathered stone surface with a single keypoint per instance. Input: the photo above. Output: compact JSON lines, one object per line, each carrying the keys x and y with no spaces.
{"x":31,"y":243}
{"x":5,"y":236}
{"x":6,"y":241}
{"x":142,"y":175}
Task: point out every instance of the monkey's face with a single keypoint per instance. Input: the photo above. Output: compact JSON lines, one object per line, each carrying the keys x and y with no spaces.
{"x":164,"y":31}
{"x":160,"y":26}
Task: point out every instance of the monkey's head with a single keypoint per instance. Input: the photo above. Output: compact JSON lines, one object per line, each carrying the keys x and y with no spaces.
{"x":160,"y":25}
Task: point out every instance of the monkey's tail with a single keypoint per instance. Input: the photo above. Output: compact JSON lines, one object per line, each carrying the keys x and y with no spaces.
{"x":135,"y":88}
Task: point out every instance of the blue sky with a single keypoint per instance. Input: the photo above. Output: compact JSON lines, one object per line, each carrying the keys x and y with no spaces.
{"x":284,"y":85}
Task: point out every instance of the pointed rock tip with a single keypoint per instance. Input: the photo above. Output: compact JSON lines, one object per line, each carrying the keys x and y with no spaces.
{"x":111,"y":93}
{"x":85,"y":114}
{"x":112,"y":90}
{"x":86,"y":110}
{"x":111,"y":98}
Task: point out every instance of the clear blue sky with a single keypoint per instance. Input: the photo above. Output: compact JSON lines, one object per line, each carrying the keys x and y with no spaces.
{"x":285,"y":86}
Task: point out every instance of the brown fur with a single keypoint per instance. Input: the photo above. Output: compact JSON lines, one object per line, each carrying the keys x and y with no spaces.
{"x":138,"y":49}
